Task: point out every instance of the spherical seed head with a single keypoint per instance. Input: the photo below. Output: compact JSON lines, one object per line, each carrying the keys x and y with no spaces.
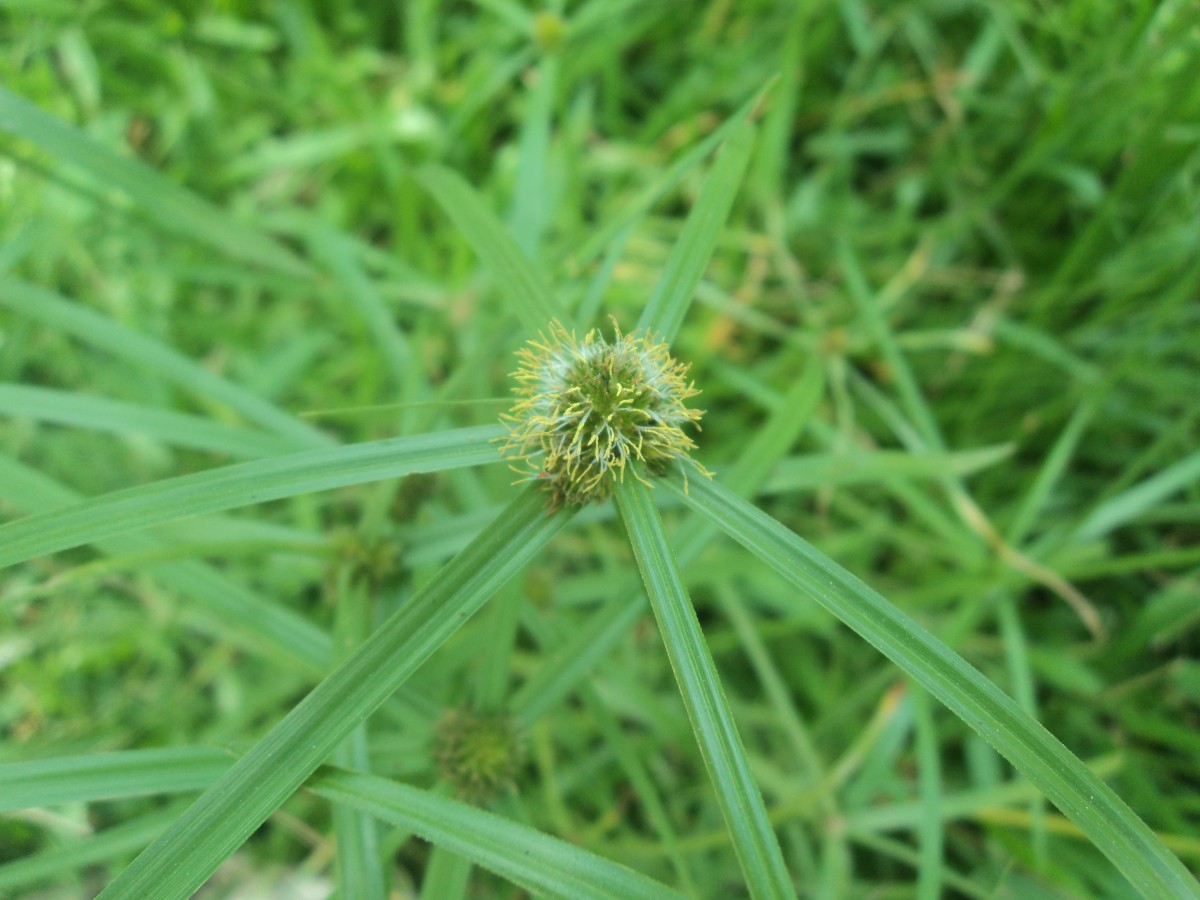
{"x":549,"y":30}
{"x":588,"y":408}
{"x":479,"y":753}
{"x":371,"y":560}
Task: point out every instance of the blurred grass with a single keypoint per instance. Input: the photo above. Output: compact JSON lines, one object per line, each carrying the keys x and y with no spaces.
{"x":979,"y":220}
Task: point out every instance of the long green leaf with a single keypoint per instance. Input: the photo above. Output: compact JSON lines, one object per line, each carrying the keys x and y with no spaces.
{"x":99,"y":331}
{"x":634,"y":209}
{"x":227,"y":813}
{"x":930,"y":836}
{"x":741,"y":802}
{"x":868,"y":302}
{"x":172,"y":206}
{"x":1051,"y":470}
{"x":228,"y":608}
{"x":531,"y":201}
{"x":178,"y":429}
{"x":817,"y":470}
{"x":519,"y":279}
{"x":243,"y":484}
{"x":337,"y":253}
{"x":548,"y":634}
{"x":101,"y":776}
{"x":1128,"y":505}
{"x":961,"y":805}
{"x":112,"y":843}
{"x":447,"y":875}
{"x":1110,"y":824}
{"x":664,"y":312}
{"x":536,"y":861}
{"x":359,"y":866}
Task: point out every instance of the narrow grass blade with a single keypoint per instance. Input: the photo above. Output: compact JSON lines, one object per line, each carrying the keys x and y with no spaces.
{"x":360,"y":868}
{"x":868,"y":302}
{"x":359,"y":865}
{"x":338,"y":254}
{"x":518,"y":19}
{"x":228,"y":812}
{"x":321,"y":147}
{"x":102,"y":776}
{"x":111,"y":844}
{"x":792,"y":726}
{"x":674,"y":174}
{"x":1024,"y":690}
{"x":1110,"y":824}
{"x":549,"y":635}
{"x":531,"y":200}
{"x":589,"y":306}
{"x":490,"y":684}
{"x":177,"y":429}
{"x":643,"y":785}
{"x":819,"y":470}
{"x":541,"y":864}
{"x":170,"y":205}
{"x":503,"y":73}
{"x":930,"y":868}
{"x":519,"y":279}
{"x":1040,"y":345}
{"x":1186,"y":845}
{"x":961,"y":805}
{"x":447,"y":875}
{"x":99,"y":331}
{"x":1052,"y":469}
{"x":243,"y":484}
{"x":741,"y":802}
{"x":1128,"y":505}
{"x":226,"y":608}
{"x":664,"y":312}
{"x":775,"y":153}
{"x":781,"y":698}
{"x":577,"y":655}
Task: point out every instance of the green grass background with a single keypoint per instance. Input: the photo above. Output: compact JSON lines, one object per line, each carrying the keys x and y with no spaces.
{"x":958,"y":281}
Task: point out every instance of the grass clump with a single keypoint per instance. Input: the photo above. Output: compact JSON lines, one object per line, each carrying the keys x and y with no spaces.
{"x":928,"y":631}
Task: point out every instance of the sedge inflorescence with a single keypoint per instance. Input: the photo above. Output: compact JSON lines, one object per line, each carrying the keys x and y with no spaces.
{"x":478,"y":752}
{"x":592,"y":408}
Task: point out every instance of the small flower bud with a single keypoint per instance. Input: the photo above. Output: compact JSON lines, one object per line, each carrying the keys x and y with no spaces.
{"x":479,"y":753}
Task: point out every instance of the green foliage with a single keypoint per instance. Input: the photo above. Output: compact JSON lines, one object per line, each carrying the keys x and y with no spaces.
{"x":263,"y":272}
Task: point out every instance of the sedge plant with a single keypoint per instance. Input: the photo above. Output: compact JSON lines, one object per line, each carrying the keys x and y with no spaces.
{"x":599,"y":415}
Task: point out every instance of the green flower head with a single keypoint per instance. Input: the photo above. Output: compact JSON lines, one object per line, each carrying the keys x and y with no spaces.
{"x":479,"y":753}
{"x":588,"y":408}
